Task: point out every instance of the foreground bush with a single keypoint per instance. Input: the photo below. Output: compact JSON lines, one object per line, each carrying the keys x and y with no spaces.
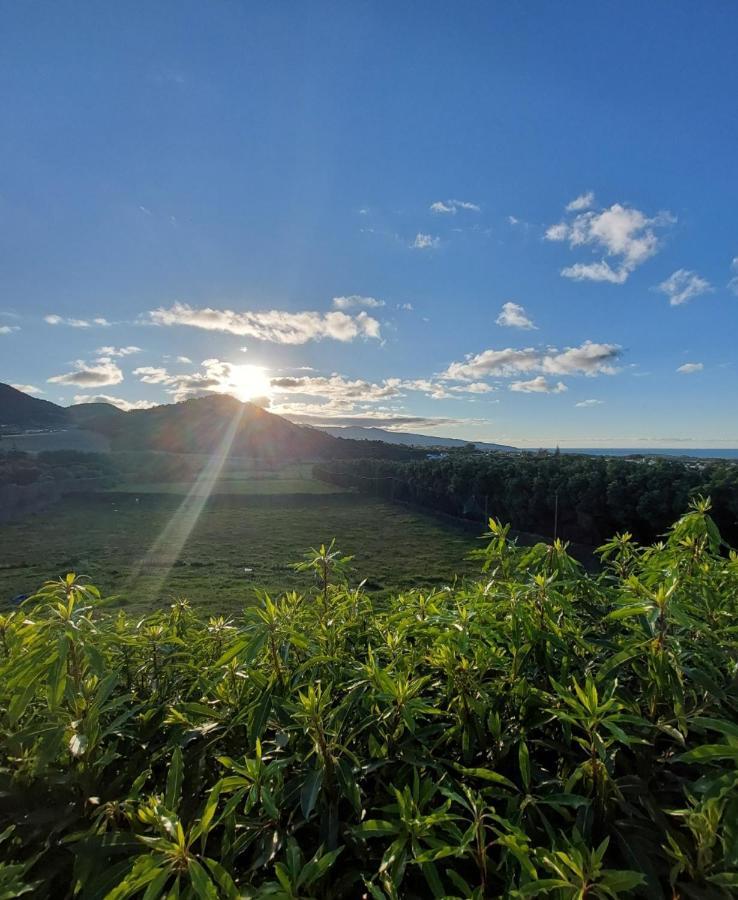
{"x":538,"y":732}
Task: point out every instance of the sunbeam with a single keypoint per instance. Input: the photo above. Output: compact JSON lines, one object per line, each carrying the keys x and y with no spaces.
{"x":156,"y":565}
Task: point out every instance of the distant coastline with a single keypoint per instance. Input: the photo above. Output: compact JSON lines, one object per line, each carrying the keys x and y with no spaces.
{"x":651,"y":451}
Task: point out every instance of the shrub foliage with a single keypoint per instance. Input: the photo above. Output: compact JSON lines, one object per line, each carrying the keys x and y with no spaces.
{"x":534,"y":732}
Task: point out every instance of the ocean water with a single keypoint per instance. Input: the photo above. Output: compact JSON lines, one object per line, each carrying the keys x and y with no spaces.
{"x":658,"y":451}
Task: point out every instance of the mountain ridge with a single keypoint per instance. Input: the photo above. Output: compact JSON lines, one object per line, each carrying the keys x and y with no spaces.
{"x":198,"y":425}
{"x":406,"y":438}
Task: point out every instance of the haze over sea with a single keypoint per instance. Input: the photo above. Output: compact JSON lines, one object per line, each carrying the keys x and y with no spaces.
{"x":710,"y":453}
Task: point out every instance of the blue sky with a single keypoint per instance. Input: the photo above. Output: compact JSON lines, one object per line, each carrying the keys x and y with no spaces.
{"x":358,"y":211}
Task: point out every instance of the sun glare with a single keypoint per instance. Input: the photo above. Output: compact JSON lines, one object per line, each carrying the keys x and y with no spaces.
{"x":248,"y":382}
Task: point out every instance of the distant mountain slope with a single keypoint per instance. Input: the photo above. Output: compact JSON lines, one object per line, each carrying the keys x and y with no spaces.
{"x":21,"y":411}
{"x":359,"y":433}
{"x":194,"y":426}
{"x":200,"y":425}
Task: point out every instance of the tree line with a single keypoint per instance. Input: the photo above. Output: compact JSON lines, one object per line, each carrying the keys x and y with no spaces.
{"x":578,"y":498}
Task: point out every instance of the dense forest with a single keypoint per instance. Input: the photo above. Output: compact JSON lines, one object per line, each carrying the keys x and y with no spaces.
{"x":533,"y":732}
{"x":578,"y":498}
{"x":20,"y":468}
{"x":31,"y":482}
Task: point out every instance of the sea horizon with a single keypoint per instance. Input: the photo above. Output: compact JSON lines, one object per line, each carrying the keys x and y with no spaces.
{"x":698,"y":453}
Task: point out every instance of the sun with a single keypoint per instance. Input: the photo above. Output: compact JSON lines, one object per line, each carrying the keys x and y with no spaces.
{"x":249,"y":382}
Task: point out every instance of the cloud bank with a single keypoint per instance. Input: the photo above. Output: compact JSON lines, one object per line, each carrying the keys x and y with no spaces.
{"x":587,"y":359}
{"x":275,"y":326}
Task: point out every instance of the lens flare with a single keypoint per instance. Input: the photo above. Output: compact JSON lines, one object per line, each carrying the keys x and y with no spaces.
{"x":166,"y":549}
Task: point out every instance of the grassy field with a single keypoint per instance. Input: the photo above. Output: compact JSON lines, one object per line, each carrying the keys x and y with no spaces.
{"x":66,"y":439}
{"x":260,"y":486}
{"x":239,"y":476}
{"x":107,"y":535}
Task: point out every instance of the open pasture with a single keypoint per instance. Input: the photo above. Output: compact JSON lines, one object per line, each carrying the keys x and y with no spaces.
{"x":107,"y":535}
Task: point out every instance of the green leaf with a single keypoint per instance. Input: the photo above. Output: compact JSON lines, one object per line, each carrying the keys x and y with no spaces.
{"x":174,"y":780}
{"x":709,"y":753}
{"x":201,"y":883}
{"x":524,"y":763}
{"x":575,"y":801}
{"x":724,"y":879}
{"x":155,"y":888}
{"x":542,"y":886}
{"x":621,"y":880}
{"x":729,"y":729}
{"x":58,"y":674}
{"x":628,"y":612}
{"x":487,"y":775}
{"x":375,"y":828}
{"x":246,"y":650}
{"x":310,"y":791}
{"x":203,"y":826}
{"x":223,"y":878}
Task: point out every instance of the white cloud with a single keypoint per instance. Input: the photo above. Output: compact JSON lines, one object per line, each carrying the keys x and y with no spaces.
{"x":277,"y":326}
{"x":430,"y":388}
{"x":451,"y":207}
{"x":215,"y":376}
{"x":622,"y":233}
{"x":690,"y":368}
{"x":114,"y":401}
{"x":588,"y":359}
{"x":682,"y":286}
{"x":152,"y":375}
{"x":27,"y":388}
{"x":538,"y":385}
{"x":338,"y":388}
{"x":407,"y":307}
{"x":597,"y":271}
{"x":8,"y":329}
{"x":733,"y":283}
{"x":118,"y":351}
{"x":514,"y":316}
{"x":101,"y":372}
{"x":425,"y":241}
{"x":558,"y":232}
{"x":186,"y":360}
{"x":587,"y":403}
{"x":75,"y":323}
{"x":476,"y":387}
{"x":354,"y":301}
{"x":354,"y":399}
{"x":583,"y":201}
